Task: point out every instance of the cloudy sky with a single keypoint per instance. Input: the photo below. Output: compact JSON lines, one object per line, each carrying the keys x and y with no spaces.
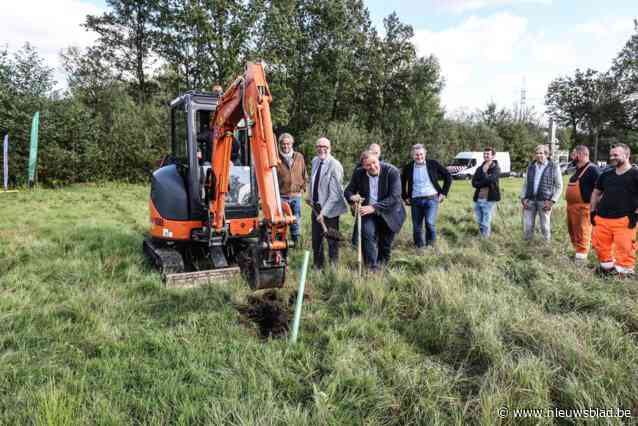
{"x":49,"y":25}
{"x":488,"y":49}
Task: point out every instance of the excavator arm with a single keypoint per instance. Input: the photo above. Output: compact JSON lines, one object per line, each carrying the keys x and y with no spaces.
{"x":248,"y":99}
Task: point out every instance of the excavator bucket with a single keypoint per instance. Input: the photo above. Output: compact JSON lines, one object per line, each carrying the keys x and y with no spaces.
{"x":268,"y":278}
{"x":258,"y":273}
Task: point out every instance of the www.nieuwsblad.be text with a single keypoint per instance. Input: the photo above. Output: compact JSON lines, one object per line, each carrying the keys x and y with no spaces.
{"x":564,"y":413}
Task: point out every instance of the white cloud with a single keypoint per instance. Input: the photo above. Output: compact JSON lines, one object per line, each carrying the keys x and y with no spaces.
{"x":49,"y":26}
{"x":493,"y":57}
{"x":490,"y":39}
{"x":471,"y":53}
{"x":462,"y":6}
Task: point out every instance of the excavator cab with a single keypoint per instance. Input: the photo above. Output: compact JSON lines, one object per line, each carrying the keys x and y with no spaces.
{"x":183,"y":243}
{"x":190,"y":152}
{"x":188,"y":166}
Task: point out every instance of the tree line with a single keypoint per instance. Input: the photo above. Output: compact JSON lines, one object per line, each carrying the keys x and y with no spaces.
{"x":329,"y":69}
{"x":599,"y":108}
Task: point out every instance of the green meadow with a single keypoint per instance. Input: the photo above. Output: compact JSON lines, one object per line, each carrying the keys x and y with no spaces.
{"x":89,"y":336}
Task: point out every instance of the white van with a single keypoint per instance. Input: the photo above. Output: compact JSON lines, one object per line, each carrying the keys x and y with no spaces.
{"x":465,"y":164}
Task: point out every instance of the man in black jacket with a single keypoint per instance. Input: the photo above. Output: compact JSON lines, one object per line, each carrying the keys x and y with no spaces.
{"x":422,"y":191}
{"x":487,"y":191}
{"x":375,"y":149}
{"x":382,"y":214}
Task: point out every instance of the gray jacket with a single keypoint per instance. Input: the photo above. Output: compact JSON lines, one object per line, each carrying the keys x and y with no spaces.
{"x":330,"y":189}
{"x":550,"y":186}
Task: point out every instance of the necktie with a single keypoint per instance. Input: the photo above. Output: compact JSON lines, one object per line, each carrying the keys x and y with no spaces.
{"x":315,"y":185}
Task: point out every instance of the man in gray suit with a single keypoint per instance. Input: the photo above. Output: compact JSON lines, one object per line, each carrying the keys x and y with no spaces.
{"x":542,"y":187}
{"x":325,"y":196}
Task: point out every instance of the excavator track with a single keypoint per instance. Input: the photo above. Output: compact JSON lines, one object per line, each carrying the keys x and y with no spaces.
{"x":166,"y":259}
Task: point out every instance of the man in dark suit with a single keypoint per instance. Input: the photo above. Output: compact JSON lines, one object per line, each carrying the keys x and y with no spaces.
{"x":378,"y":185}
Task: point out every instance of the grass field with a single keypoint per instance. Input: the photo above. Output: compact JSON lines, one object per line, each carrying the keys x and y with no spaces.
{"x":89,"y":336}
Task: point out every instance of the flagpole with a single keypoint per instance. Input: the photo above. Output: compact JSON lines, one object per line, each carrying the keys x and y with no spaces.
{"x":33,"y":153}
{"x":5,"y":162}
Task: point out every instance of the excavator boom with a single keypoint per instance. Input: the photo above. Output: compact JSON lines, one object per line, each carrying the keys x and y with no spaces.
{"x":249,"y":98}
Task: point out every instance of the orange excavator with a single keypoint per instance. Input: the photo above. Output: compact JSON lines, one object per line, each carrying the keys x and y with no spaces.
{"x":215,"y":205}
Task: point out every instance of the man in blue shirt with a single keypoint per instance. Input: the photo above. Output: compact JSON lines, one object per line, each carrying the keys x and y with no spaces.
{"x":422,"y":191}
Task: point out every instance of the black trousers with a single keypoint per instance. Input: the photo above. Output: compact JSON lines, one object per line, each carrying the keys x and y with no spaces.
{"x":317,"y":241}
{"x":376,"y":241}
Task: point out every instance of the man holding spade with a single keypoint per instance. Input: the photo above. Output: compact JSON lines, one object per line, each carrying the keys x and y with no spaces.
{"x":325,"y":197}
{"x":377,"y":186}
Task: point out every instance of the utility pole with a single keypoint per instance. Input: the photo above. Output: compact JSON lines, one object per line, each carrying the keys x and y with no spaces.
{"x":553,"y":141}
{"x":522,"y":106}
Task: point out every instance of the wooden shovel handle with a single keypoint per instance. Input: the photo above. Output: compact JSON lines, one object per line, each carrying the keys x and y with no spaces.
{"x":323,"y":225}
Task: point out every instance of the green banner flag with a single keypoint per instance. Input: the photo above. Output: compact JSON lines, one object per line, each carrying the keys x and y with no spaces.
{"x":33,"y":154}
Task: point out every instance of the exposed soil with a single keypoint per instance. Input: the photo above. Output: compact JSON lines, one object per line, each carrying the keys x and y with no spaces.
{"x":269,"y":311}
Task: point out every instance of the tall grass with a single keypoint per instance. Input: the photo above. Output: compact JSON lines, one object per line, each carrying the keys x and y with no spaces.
{"x":89,"y":336}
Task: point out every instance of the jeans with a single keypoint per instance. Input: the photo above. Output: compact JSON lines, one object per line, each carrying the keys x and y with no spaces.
{"x":483,"y":210}
{"x":376,"y":241}
{"x":529,"y":219}
{"x":424,"y":209}
{"x":295,"y":206}
{"x":317,"y":241}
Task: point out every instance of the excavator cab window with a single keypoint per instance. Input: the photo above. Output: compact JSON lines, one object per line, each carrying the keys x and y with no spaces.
{"x":179,"y":135}
{"x":184,"y":150}
{"x":240,"y":186}
{"x":242,"y":198}
{"x":204,"y":135}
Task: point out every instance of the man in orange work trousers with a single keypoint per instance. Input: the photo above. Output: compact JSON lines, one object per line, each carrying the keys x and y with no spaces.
{"x":614,"y":204}
{"x":578,"y":196}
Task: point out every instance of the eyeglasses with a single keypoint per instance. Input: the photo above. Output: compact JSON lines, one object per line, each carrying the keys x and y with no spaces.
{"x":322,"y":147}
